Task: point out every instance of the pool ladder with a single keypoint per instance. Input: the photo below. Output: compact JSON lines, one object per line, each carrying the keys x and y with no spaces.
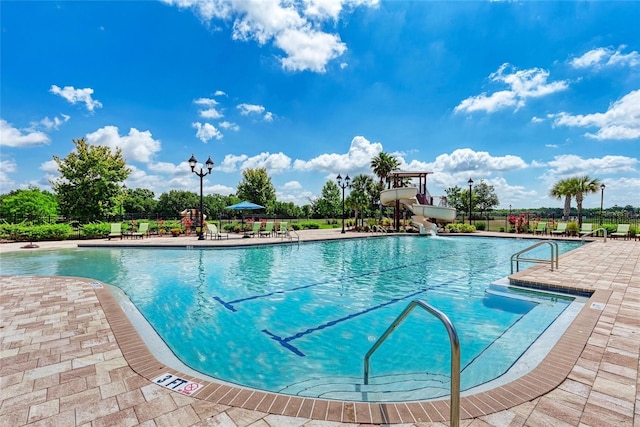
{"x":553,"y":259}
{"x":454,"y":413}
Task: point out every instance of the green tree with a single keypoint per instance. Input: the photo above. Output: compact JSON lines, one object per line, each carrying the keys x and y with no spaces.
{"x":139,"y":201}
{"x":32,"y":203}
{"x":455,"y":198}
{"x":89,"y":186}
{"x":563,"y":189}
{"x":485,"y":197}
{"x":175,"y":201}
{"x":256,"y":187}
{"x":215,"y":205}
{"x":582,"y":186}
{"x":382,"y":165}
{"x":329,"y":204}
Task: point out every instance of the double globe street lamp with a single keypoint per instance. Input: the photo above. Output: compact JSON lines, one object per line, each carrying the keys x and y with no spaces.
{"x":343,"y":186}
{"x":209,"y":164}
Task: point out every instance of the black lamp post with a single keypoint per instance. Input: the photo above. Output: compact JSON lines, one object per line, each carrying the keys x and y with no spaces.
{"x":602,"y":186}
{"x":193,"y":162}
{"x":470,"y":182}
{"x":124,"y":191}
{"x":343,"y":186}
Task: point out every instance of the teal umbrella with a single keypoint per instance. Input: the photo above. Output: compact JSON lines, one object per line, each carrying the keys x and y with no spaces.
{"x":242,"y":206}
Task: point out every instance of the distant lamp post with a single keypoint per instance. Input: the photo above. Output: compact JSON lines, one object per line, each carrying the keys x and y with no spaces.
{"x":470,"y":182}
{"x":209,"y":164}
{"x":343,"y":185}
{"x":601,"y":200}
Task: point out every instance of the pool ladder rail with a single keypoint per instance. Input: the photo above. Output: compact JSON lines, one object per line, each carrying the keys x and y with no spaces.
{"x":593,"y":233}
{"x":454,"y":413}
{"x":553,"y":261}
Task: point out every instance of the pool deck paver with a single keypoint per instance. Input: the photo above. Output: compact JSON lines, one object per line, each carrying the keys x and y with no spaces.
{"x":69,"y":356}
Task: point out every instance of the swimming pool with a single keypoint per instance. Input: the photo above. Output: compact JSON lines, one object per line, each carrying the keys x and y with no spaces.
{"x":299,"y":319}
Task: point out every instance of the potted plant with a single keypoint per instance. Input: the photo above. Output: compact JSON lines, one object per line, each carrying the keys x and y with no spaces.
{"x":175,"y":232}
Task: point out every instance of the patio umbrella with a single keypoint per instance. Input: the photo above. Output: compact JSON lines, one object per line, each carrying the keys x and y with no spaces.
{"x":242,"y":206}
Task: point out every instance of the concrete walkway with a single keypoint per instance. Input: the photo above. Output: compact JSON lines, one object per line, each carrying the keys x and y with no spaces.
{"x":69,"y":356}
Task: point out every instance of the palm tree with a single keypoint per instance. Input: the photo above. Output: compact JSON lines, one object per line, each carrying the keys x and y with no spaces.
{"x":560,"y":189}
{"x":359,"y":196}
{"x":582,"y":186}
{"x":383,"y":164}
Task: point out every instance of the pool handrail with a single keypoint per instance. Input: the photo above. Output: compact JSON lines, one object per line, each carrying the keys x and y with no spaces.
{"x":553,"y":261}
{"x":595,"y":231}
{"x":454,"y":412}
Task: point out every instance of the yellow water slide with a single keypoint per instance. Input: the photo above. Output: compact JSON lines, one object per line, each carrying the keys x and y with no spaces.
{"x":422,"y":214}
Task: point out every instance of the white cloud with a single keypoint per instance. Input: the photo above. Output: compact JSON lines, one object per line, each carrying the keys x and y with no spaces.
{"x":50,"y":166}
{"x":356,"y":160}
{"x":77,"y":95}
{"x":468,"y":161}
{"x":49,"y":124}
{"x":292,"y":185}
{"x":137,"y":146}
{"x":229,"y":126}
{"x":293,"y":27}
{"x":13,"y":137}
{"x":205,"y":101}
{"x":210,"y":113}
{"x":620,"y":121}
{"x":247,"y":109}
{"x":219,"y":93}
{"x":606,"y":57}
{"x":206,"y":131}
{"x":274,"y":163}
{"x":7,"y":167}
{"x":523,"y":84}
{"x":571,"y":165}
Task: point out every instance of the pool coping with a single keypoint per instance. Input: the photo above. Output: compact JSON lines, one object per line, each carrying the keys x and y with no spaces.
{"x":549,"y":373}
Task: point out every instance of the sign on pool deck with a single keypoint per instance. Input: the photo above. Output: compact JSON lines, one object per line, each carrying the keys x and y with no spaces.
{"x":175,"y":383}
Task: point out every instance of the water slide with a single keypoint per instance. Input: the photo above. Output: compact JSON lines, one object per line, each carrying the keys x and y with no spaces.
{"x":422,"y":214}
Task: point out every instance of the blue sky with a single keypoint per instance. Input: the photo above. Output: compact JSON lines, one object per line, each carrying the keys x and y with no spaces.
{"x":519,"y":94}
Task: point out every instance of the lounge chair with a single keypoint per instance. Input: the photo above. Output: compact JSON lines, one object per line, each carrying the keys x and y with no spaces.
{"x":116,"y":231}
{"x":212,"y":231}
{"x":621,"y":231}
{"x":143,"y":230}
{"x":268,"y":230}
{"x":256,"y":229}
{"x":283,"y":229}
{"x":561,"y":230}
{"x":541,"y":228}
{"x":586,"y":229}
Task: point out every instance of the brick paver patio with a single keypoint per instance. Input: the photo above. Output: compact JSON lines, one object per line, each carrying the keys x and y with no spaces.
{"x":69,"y":356}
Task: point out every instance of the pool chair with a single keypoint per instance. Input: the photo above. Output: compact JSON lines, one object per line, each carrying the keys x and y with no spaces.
{"x":586,"y":229}
{"x":621,"y":231}
{"x":561,"y":230}
{"x":256,"y":229}
{"x":283,"y":229}
{"x":268,"y":230}
{"x":213,"y":233}
{"x":116,"y":231}
{"x":541,"y":228}
{"x":143,"y":230}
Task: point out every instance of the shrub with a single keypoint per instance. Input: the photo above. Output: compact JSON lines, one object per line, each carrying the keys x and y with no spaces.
{"x":310,"y":225}
{"x":295,"y":226}
{"x":460,"y":228}
{"x":95,"y":230}
{"x":481,"y":226}
{"x":35,"y":233}
{"x":572,"y":228}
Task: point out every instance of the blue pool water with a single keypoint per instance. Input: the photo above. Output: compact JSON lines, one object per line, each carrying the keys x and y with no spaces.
{"x":298,"y":319}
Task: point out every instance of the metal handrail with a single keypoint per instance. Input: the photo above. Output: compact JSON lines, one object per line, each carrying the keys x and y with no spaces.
{"x":594,"y":231}
{"x":552,"y":261}
{"x":454,"y":414}
{"x":288,"y":235}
